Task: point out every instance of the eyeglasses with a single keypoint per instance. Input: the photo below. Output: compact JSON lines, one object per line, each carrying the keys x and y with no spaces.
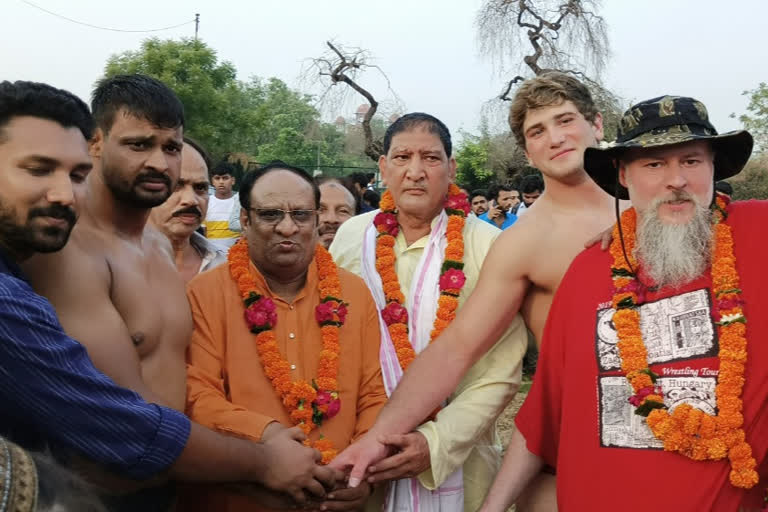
{"x":273,"y":216}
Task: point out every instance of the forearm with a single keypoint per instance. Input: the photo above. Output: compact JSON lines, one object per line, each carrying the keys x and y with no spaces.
{"x":419,"y":393}
{"x":213,"y":457}
{"x":517,"y":470}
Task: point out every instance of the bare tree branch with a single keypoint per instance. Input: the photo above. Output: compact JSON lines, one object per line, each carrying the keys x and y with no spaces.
{"x":343,"y":66}
{"x":561,"y":34}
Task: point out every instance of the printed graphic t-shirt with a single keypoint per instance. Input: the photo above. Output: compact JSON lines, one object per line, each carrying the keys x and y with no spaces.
{"x":217,"y":222}
{"x":577,"y":416}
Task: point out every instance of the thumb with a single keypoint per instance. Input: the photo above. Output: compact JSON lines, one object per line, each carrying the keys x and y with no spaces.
{"x":297,"y":434}
{"x":357,"y":474}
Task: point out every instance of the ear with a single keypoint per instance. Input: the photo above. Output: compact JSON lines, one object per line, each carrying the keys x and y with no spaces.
{"x":383,"y":170}
{"x":597,"y":126}
{"x":96,"y":143}
{"x":452,"y":169}
{"x":245,"y":221}
{"x":623,"y":175}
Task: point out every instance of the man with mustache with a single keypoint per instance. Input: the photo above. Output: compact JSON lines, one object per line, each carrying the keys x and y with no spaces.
{"x":421,"y":255}
{"x":181,"y":215}
{"x":115,"y":286}
{"x":337,"y":205}
{"x":53,"y":397}
{"x":667,"y":326}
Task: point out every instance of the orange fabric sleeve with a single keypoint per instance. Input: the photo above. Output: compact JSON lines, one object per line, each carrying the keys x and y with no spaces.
{"x":372,"y":395}
{"x":207,"y":401}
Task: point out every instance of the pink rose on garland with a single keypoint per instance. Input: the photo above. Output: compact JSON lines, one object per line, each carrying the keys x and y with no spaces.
{"x":637,"y":399}
{"x":388,"y":221}
{"x":458,"y":202}
{"x":323,"y":398}
{"x":331,"y":312}
{"x":333,"y":408}
{"x":394,"y":313}
{"x":341,"y":311}
{"x":261,"y":315}
{"x":324,"y":312}
{"x":452,"y":279}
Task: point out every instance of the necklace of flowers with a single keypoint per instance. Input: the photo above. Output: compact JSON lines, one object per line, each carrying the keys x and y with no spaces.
{"x":309,"y":403}
{"x":686,"y":430}
{"x":451,"y":281}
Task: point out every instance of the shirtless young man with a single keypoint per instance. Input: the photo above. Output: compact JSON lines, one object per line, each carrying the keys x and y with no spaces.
{"x":114,"y":285}
{"x":554,"y":119}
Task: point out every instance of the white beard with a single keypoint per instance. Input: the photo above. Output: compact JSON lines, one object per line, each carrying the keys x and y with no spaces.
{"x":674,"y":254}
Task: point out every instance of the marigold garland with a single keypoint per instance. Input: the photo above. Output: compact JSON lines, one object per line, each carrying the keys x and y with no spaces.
{"x":452,"y":277}
{"x":308,"y":404}
{"x":687,"y":430}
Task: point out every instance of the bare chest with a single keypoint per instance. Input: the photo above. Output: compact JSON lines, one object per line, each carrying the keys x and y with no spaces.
{"x":148,"y":292}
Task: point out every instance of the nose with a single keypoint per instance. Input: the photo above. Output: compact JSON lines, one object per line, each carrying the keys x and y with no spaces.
{"x":676,"y":178}
{"x":415,"y":170}
{"x":329,"y":217}
{"x":157,"y":160}
{"x":187,"y":195}
{"x":556,"y":136}
{"x":61,"y":190}
{"x":287,"y":226}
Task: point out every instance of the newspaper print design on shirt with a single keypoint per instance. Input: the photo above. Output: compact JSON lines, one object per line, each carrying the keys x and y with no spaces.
{"x":674,"y":329}
{"x":620,"y":427}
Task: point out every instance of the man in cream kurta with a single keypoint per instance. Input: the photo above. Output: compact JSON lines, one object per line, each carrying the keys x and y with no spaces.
{"x":462,"y":436}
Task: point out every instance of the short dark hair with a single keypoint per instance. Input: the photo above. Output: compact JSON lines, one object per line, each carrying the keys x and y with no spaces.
{"x":224,"y":167}
{"x":506,"y":187}
{"x":724,"y":187}
{"x":372,"y":198}
{"x":478,"y":192}
{"x":360,"y":178}
{"x":531,"y":183}
{"x":419,"y":119}
{"x":141,"y":96}
{"x":41,"y":100}
{"x":200,"y":150}
{"x":251,"y":177}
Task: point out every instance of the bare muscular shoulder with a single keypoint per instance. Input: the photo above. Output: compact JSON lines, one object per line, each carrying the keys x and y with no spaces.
{"x":555,"y":236}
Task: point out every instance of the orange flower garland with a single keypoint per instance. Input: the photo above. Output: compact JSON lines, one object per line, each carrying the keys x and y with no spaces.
{"x":689,"y":431}
{"x":452,"y":278}
{"x":308,"y":404}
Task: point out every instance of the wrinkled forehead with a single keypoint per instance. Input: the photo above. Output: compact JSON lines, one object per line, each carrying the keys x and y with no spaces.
{"x":701,"y":148}
{"x":418,"y":139}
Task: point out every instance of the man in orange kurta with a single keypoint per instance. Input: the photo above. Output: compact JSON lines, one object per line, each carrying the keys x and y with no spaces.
{"x":227,"y":388}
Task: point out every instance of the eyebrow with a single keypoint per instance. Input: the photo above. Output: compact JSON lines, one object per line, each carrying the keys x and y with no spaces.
{"x":46,"y":160}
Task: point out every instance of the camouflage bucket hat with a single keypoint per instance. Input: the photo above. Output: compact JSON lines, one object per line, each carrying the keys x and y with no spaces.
{"x":664,"y":121}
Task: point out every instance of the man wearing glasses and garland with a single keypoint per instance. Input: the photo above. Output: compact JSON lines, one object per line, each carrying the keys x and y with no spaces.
{"x":283,"y":337}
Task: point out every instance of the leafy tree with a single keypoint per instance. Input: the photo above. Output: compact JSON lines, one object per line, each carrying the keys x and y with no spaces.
{"x":756,"y":120}
{"x":472,"y":169}
{"x":219,"y":109}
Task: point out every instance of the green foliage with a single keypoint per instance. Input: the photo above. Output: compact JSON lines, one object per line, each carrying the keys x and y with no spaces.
{"x":752,"y":182}
{"x":756,"y":118}
{"x":472,"y":169}
{"x":262,"y":119}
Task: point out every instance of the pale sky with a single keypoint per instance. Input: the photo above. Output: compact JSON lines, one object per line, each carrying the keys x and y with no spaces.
{"x":428,"y":48}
